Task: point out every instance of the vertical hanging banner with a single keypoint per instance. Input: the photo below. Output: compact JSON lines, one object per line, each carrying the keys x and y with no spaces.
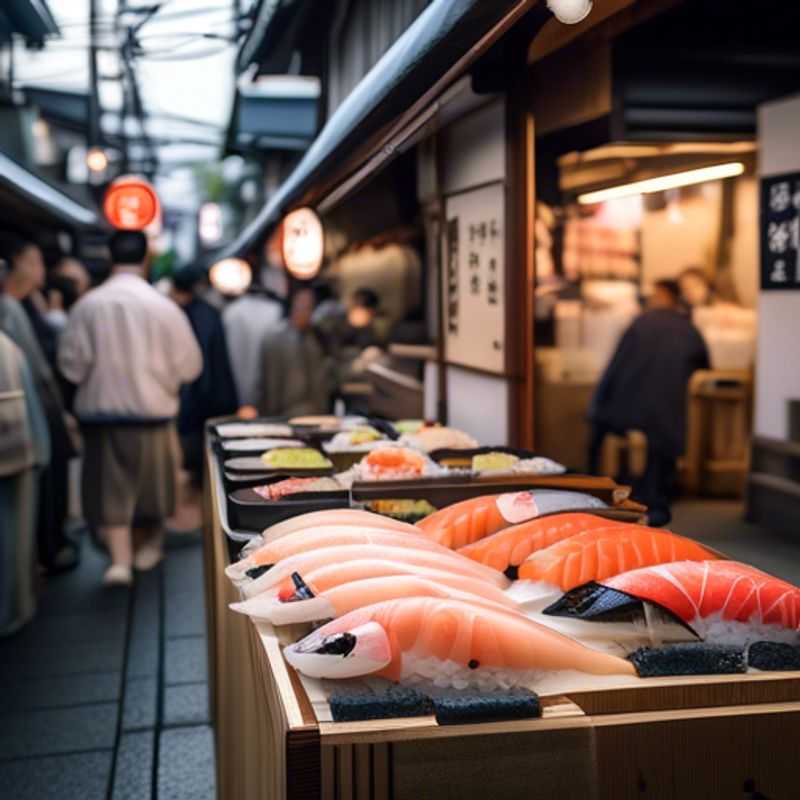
{"x":474,"y":277}
{"x":780,"y":232}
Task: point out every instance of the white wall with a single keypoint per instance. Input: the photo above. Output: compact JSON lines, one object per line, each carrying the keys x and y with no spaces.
{"x":474,"y":149}
{"x":473,"y":153}
{"x":778,"y":364}
{"x":478,"y":404}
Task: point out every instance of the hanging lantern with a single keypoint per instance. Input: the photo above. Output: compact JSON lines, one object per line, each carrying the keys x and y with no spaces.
{"x":131,"y":203}
{"x":303,"y":243}
{"x":231,"y":276}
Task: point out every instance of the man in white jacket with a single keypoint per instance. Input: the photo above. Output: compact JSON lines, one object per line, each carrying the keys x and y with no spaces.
{"x":128,"y":349}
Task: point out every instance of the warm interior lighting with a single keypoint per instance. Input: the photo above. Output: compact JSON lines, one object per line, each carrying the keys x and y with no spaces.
{"x":664,"y":182}
{"x":96,"y":159}
{"x":303,"y":244}
{"x":231,"y":276}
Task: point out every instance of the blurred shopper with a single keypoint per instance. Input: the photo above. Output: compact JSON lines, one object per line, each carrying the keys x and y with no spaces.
{"x":695,"y":287}
{"x":359,"y":330}
{"x":213,"y":394}
{"x":56,"y":552}
{"x":128,"y":349}
{"x":296,"y":374}
{"x":25,"y":283}
{"x":644,"y":388}
{"x":75,"y":271}
{"x":248,"y":320}
{"x":24,"y":447}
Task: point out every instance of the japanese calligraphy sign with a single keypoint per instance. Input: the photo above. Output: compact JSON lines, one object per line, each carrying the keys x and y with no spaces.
{"x":473,"y":278}
{"x":780,"y":232}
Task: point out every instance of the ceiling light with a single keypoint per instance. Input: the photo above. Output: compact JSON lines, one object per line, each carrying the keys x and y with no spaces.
{"x":664,"y":182}
{"x":570,"y":12}
{"x":96,"y":159}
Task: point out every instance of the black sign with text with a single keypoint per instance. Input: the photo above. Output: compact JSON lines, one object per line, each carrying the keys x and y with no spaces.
{"x":780,"y":232}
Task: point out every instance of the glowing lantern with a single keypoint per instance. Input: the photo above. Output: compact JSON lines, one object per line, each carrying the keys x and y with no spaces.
{"x":303,"y":244}
{"x":131,"y":203}
{"x":231,"y":276}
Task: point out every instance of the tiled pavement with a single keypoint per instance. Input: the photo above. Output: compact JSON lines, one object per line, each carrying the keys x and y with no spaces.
{"x":105,"y":695}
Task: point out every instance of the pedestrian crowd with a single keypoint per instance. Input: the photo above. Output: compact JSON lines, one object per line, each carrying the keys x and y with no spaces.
{"x":120,"y":376}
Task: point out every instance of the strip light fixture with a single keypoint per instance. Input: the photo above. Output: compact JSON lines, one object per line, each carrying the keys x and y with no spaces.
{"x":664,"y":182}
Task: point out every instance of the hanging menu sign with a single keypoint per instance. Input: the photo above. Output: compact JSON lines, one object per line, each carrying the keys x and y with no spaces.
{"x":473,"y":279}
{"x":780,"y":232}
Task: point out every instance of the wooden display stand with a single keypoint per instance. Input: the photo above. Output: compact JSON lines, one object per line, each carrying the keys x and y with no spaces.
{"x":715,"y":737}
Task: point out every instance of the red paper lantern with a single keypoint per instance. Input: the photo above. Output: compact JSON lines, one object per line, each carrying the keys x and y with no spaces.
{"x":131,"y":203}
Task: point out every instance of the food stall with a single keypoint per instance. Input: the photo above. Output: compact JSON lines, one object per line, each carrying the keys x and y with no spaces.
{"x":710,"y":735}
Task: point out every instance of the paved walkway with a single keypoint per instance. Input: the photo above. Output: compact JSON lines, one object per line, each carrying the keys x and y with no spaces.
{"x":105,"y":694}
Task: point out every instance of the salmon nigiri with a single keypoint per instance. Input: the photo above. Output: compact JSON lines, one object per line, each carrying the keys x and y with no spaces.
{"x":335,"y":516}
{"x":326,"y":556}
{"x":599,"y":554}
{"x":306,"y":606}
{"x":510,"y":547}
{"x":721,"y":601}
{"x":450,"y":642}
{"x":302,"y":541}
{"x":466,"y":522}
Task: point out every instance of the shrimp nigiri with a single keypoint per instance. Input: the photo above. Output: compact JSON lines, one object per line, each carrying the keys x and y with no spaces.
{"x":466,"y":522}
{"x":335,"y":516}
{"x":595,"y":555}
{"x":451,"y":642}
{"x":720,"y":601}
{"x":303,"y":541}
{"x":510,"y":547}
{"x":325,"y":556}
{"x":306,"y":606}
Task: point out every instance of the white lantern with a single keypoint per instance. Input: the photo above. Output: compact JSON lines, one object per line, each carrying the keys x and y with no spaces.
{"x":231,"y":276}
{"x":303,"y":243}
{"x":570,"y":12}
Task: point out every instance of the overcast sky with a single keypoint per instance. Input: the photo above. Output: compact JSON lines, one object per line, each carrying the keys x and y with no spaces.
{"x":199,"y":87}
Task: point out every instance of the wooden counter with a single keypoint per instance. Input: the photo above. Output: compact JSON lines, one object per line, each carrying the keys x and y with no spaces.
{"x":716,"y":737}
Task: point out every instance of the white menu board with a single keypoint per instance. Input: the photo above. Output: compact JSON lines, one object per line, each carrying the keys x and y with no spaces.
{"x":474,"y":279}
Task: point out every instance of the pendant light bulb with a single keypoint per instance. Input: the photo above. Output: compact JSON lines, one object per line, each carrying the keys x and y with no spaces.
{"x":570,"y":12}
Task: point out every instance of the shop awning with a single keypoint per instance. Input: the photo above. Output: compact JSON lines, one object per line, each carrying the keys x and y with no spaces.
{"x":394,"y":96}
{"x":21,"y":192}
{"x":31,"y":19}
{"x":271,"y":123}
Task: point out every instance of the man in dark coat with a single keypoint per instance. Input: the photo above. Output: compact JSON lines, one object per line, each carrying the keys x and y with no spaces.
{"x":644,"y":388}
{"x":213,"y":394}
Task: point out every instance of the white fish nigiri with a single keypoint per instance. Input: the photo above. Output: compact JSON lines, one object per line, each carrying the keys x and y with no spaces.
{"x":335,"y":516}
{"x":327,"y":536}
{"x":305,"y":603}
{"x":314,"y":559}
{"x":450,"y":642}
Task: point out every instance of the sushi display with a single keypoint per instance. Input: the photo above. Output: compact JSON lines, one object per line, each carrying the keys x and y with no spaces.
{"x":594,"y":597}
{"x":532,"y":590}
